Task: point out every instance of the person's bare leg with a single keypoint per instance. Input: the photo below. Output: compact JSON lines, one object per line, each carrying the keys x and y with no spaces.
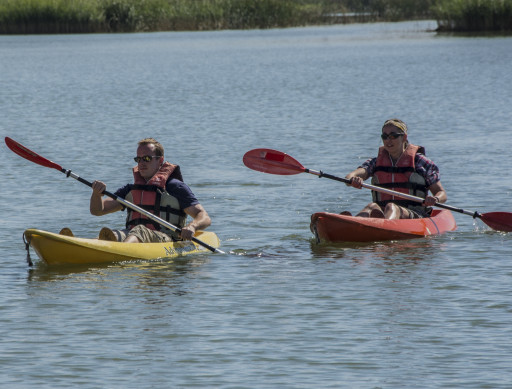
{"x":367,"y":211}
{"x":131,"y":239}
{"x":377,"y":214}
{"x":393,"y":211}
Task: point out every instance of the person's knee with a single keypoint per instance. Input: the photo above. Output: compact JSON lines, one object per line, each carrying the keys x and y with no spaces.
{"x":390,"y":207}
{"x":132,"y":239}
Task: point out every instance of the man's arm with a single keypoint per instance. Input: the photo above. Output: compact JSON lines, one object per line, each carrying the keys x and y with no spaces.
{"x":100,"y":206}
{"x":200,"y":221}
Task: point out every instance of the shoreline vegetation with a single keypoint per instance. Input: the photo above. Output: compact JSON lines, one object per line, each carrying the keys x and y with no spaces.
{"x":103,"y":16}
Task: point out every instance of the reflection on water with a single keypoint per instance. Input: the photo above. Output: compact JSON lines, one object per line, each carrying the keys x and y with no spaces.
{"x":146,"y":273}
{"x":393,"y":251}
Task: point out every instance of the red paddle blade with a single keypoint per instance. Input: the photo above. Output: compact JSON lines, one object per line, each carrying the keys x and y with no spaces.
{"x":273,"y":162}
{"x":501,"y":221}
{"x":29,"y":154}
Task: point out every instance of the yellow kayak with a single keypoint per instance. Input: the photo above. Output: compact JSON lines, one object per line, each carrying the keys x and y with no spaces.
{"x":56,"y":249}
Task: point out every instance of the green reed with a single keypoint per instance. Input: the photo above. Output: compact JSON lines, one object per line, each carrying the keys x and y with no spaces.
{"x":78,"y":16}
{"x":70,"y":16}
{"x":47,"y":16}
{"x":474,"y":15}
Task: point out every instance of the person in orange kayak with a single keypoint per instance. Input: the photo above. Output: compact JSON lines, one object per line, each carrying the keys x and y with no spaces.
{"x":158,"y":188}
{"x":402,"y":167}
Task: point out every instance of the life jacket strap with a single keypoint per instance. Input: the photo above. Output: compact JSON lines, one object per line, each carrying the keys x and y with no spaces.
{"x":395,"y":169}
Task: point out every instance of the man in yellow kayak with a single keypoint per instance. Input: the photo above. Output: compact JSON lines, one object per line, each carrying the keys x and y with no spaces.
{"x":158,"y":188}
{"x":402,"y":167}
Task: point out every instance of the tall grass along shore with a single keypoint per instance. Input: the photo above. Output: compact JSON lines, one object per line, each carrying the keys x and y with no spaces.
{"x":90,"y":16}
{"x":474,"y":15}
{"x":75,"y":16}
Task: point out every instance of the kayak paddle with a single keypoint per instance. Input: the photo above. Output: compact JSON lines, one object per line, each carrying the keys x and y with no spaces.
{"x":36,"y":158}
{"x":277,"y":162}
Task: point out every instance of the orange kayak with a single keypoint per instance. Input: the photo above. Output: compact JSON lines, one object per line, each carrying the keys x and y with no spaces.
{"x":331,"y":227}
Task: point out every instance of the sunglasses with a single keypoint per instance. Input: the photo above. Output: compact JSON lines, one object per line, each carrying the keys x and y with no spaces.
{"x":146,"y":158}
{"x":392,"y":135}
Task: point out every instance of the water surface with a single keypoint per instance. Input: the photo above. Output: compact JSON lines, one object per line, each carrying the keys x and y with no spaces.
{"x":277,"y":310}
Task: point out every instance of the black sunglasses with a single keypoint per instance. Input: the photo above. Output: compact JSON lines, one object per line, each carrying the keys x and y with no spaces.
{"x":392,"y":135}
{"x":146,"y":158}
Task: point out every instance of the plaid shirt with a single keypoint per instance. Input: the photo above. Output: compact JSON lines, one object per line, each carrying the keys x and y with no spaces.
{"x":424,"y":166}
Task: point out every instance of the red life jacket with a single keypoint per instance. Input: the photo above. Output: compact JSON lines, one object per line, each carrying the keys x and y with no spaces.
{"x":152,"y":197}
{"x":401,"y":177}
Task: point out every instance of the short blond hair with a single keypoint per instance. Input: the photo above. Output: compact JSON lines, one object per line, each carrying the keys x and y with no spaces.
{"x":159,"y":149}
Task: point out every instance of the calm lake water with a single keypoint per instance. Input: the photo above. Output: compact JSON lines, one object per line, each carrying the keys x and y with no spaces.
{"x":277,"y":311}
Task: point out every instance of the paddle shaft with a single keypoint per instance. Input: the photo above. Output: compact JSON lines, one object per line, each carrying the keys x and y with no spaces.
{"x":321,"y":174}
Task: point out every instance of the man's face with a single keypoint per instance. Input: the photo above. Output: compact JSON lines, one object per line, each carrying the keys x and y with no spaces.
{"x":148,"y":169}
